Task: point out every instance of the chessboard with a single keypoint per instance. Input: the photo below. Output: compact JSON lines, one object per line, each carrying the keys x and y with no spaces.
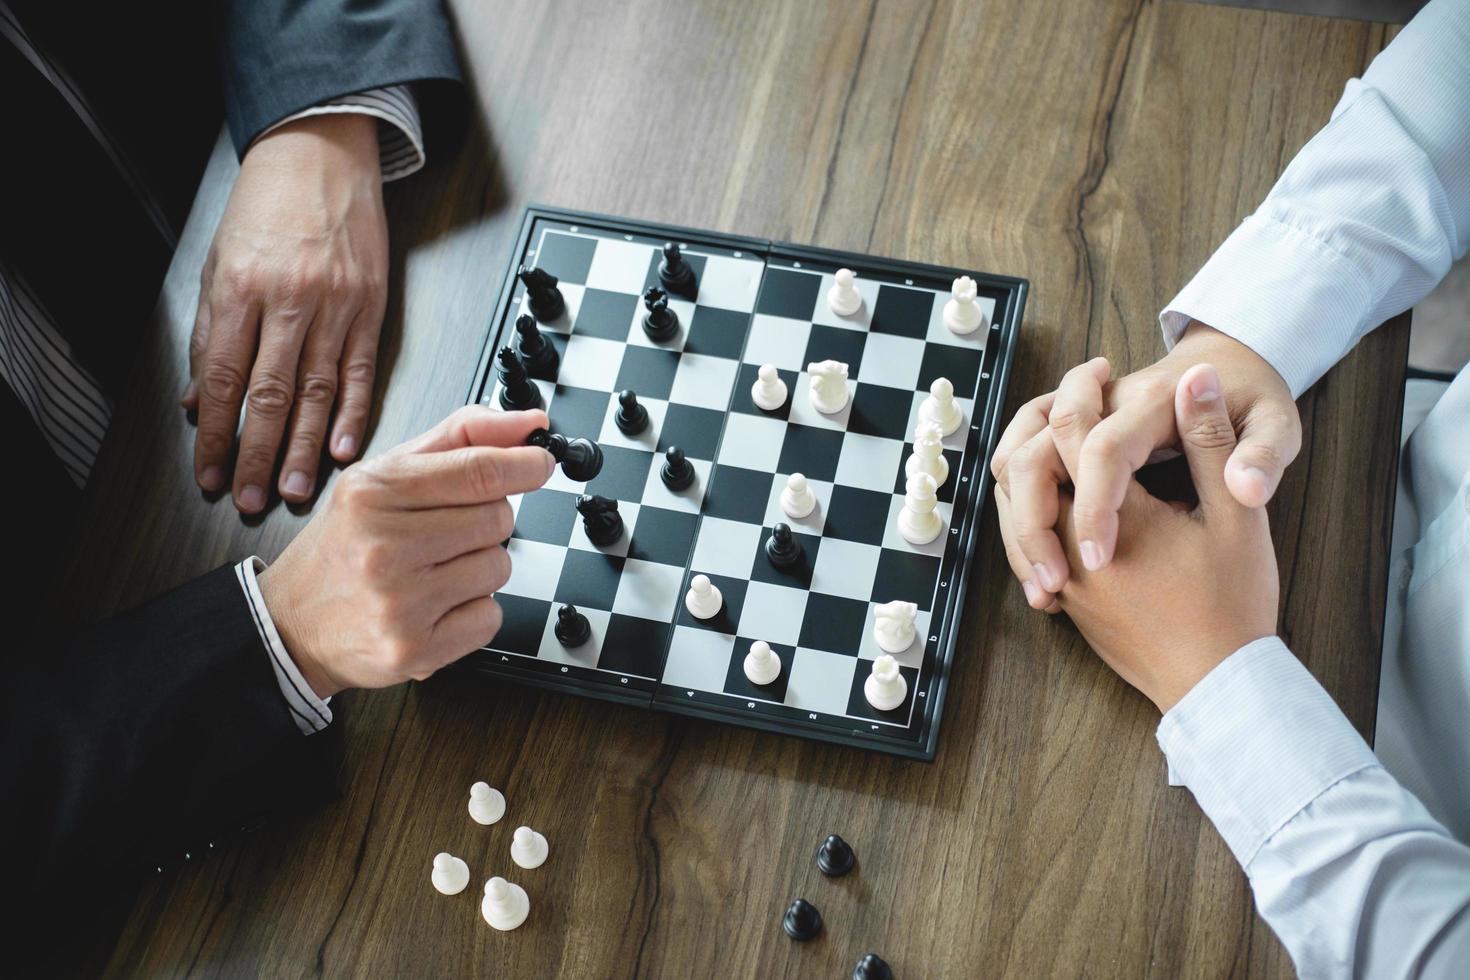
{"x":754,"y":302}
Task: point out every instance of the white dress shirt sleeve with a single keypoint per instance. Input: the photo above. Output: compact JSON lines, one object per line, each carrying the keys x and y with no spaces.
{"x":400,"y":131}
{"x":1347,"y":867}
{"x":1365,"y":221}
{"x":310,"y":712}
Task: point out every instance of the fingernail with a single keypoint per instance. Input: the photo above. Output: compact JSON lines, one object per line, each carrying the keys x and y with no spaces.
{"x":212,"y":478}
{"x":190,"y":391}
{"x":1032,"y":592}
{"x":252,"y":498}
{"x":298,"y":483}
{"x":1204,"y":386}
{"x":1091,"y":555}
{"x":347,"y":445}
{"x":1049,"y":580}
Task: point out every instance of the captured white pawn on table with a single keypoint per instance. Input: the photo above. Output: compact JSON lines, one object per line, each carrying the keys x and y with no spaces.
{"x":828,"y":386}
{"x":797,"y":499}
{"x":528,"y":848}
{"x":769,"y":391}
{"x":703,"y":600}
{"x":941,"y":408}
{"x":893,"y":625}
{"x":505,"y":905}
{"x":962,"y":314}
{"x":917,"y":522}
{"x":928,"y":454}
{"x":487,"y":805}
{"x":450,"y":875}
{"x":843,"y":298}
{"x":885,"y":687}
{"x":762,"y":666}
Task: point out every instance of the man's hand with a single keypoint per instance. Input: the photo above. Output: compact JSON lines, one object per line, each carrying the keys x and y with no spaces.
{"x":290,"y":306}
{"x":392,"y":580}
{"x":1135,"y":420}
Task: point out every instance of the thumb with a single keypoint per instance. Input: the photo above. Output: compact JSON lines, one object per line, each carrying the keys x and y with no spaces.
{"x":1270,"y":438}
{"x":1206,"y":433}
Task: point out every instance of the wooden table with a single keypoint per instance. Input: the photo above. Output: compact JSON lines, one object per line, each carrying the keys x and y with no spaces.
{"x":1100,"y":149}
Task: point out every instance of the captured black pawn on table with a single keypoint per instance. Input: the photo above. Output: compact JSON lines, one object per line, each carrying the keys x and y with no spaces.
{"x":835,"y":857}
{"x":572,"y":628}
{"x":782,"y":548}
{"x":580,"y":459}
{"x":537,"y":354}
{"x":660,"y":323}
{"x":541,"y":293}
{"x":632,"y":418}
{"x":872,"y":967}
{"x":676,"y":274}
{"x":517,"y":393}
{"x":600,"y":519}
{"x":802,"y":920}
{"x":677,"y":472}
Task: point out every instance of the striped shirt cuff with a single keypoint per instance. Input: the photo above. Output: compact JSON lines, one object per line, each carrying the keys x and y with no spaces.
{"x":1256,"y":741}
{"x":400,"y":132}
{"x":310,"y":712}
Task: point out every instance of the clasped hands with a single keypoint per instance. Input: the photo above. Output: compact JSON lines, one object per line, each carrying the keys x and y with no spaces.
{"x":1163,"y":592}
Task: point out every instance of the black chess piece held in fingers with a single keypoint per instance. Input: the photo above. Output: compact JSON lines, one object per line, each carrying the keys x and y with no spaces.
{"x":517,"y":393}
{"x":802,"y":921}
{"x":677,"y":472}
{"x":580,"y":459}
{"x":544,"y":298}
{"x":835,"y":857}
{"x":677,"y":275}
{"x":537,"y":353}
{"x":600,"y":519}
{"x":782,"y":548}
{"x":632,"y":418}
{"x":572,"y":628}
{"x":660,"y":323}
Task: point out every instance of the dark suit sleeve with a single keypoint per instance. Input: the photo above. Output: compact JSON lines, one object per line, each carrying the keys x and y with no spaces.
{"x":282,"y":56}
{"x":158,"y":732}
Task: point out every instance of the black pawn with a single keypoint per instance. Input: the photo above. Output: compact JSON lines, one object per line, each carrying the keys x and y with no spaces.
{"x":572,"y":628}
{"x":632,"y":418}
{"x":835,"y":857}
{"x":545,"y":299}
{"x":660,"y":323}
{"x":677,"y":472}
{"x":600,"y":519}
{"x":872,"y":967}
{"x":782,"y":548}
{"x":580,"y":459}
{"x":802,"y":921}
{"x":537,"y":354}
{"x":516,"y":391}
{"x":677,"y":275}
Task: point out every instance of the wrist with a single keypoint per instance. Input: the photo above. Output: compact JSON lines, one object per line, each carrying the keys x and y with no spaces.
{"x":332,"y":142}
{"x":1182,"y":670}
{"x":293,"y":636}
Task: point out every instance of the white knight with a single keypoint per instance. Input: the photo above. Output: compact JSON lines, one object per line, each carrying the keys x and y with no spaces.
{"x":828,"y":386}
{"x":893,"y":625}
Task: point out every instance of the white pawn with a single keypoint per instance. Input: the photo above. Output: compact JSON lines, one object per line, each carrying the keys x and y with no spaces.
{"x":504,"y":906}
{"x":797,"y":500}
{"x":843,"y":298}
{"x":893,"y":625}
{"x":769,"y":391}
{"x":962,"y":314}
{"x":941,"y":408}
{"x":828,"y":386}
{"x":487,"y":805}
{"x":761,"y":664}
{"x":917,"y":522}
{"x":528,"y":848}
{"x":885,"y":687}
{"x":703,"y":599}
{"x":928,"y":454}
{"x":450,"y":875}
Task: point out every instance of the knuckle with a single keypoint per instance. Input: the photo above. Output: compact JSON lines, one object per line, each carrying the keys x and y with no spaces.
{"x":1212,"y":431}
{"x":374,"y":559}
{"x":1089,"y":515}
{"x":1066,"y":421}
{"x":239,"y":277}
{"x":1103,"y":445}
{"x":1156,"y":387}
{"x":485,"y":476}
{"x":360,"y":371}
{"x":317,"y":388}
{"x":222,"y":382}
{"x":270,"y":396}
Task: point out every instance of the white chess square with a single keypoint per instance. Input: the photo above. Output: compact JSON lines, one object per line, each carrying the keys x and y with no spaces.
{"x":726,"y":547}
{"x":860,"y":320}
{"x":811,"y":523}
{"x":820,"y":681}
{"x":938,"y":333}
{"x":686,"y":501}
{"x":869,"y":462}
{"x":912,"y":657}
{"x":891,"y":360}
{"x":590,"y":362}
{"x":957,"y":438}
{"x":752,"y":442}
{"x":535,"y":568}
{"x":628,"y":512}
{"x":846,"y":568}
{"x":704,"y":381}
{"x":647,"y":440}
{"x":777,"y":340}
{"x":649,"y":590}
{"x":698,"y":659}
{"x":730,"y":283}
{"x":571,"y":294}
{"x":582,"y":655}
{"x":803,"y":413}
{"x":772,"y":613}
{"x":896,"y":542}
{"x":638,"y":337}
{"x":619,"y":266}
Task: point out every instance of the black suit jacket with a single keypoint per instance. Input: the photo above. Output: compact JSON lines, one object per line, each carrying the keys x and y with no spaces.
{"x":126,"y":745}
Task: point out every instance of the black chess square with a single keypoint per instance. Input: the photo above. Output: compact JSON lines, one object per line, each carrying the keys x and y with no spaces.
{"x":568,"y":257}
{"x":732,"y":590}
{"x":737,"y":494}
{"x":788,"y":293}
{"x":797,"y":576}
{"x":522,"y":625}
{"x":589,"y":578}
{"x":857,"y":515}
{"x":833,"y":623}
{"x":836,"y":344}
{"x":739,"y":685}
{"x":546,"y":516}
{"x":648,"y":371}
{"x":907,"y":576}
{"x":961,"y":365}
{"x":634,"y":646}
{"x":694,"y":430}
{"x":624,"y":473}
{"x":605,"y":314}
{"x":946,"y":490}
{"x":578,"y":412}
{"x":901,"y":311}
{"x":746,"y":377}
{"x":857,"y":701}
{"x":716,"y":332}
{"x":695,"y":262}
{"x":811,"y":451}
{"x":664,"y":536}
{"x":880,"y":411}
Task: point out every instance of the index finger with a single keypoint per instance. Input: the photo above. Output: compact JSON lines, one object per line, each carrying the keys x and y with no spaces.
{"x":476,"y":425}
{"x":1029,"y":419}
{"x":467,"y":475}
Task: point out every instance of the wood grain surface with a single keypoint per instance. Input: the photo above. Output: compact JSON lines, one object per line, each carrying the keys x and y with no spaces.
{"x":1102,"y":150}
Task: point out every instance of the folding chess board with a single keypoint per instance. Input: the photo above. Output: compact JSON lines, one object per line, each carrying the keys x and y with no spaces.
{"x":758,"y":302}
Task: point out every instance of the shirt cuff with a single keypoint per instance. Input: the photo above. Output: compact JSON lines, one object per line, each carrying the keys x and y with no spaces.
{"x":310,"y":712}
{"x":400,"y":131}
{"x":1256,"y":741}
{"x":1283,"y":293}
